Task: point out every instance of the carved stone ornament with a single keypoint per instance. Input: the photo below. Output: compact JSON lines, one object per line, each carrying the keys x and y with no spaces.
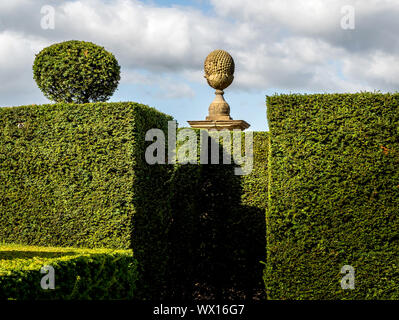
{"x":219,"y":73}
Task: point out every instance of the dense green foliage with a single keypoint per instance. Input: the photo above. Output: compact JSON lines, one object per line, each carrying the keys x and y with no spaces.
{"x":69,"y":172}
{"x":152,"y":216}
{"x":76,"y":71}
{"x":327,"y":177}
{"x":334,"y":196}
{"x":78,"y":273}
{"x":75,"y":175}
{"x":218,"y":232}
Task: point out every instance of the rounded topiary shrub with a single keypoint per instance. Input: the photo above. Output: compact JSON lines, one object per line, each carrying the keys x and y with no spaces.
{"x":76,"y":71}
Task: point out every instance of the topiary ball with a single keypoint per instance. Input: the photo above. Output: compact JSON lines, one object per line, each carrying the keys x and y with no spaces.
{"x":76,"y":71}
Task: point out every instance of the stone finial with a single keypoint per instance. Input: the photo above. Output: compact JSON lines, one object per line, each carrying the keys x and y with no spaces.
{"x":219,"y":73}
{"x":219,"y":69}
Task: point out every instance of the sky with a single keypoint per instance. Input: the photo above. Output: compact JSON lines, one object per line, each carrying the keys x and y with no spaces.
{"x":279,"y":46}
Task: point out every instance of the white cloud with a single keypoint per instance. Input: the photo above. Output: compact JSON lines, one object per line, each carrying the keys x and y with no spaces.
{"x":17,"y":54}
{"x":277,"y":44}
{"x":379,"y":68}
{"x":162,"y":86}
{"x":143,"y":36}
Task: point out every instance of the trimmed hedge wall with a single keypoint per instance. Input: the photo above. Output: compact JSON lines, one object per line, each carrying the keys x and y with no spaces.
{"x":79,"y":274}
{"x":75,"y":175}
{"x":250,"y":238}
{"x":218,"y":232}
{"x":334,"y":196}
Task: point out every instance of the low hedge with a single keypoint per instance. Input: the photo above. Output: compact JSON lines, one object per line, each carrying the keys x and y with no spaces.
{"x":79,"y":274}
{"x":333,"y":196}
{"x":76,"y":175}
{"x":218,"y":232}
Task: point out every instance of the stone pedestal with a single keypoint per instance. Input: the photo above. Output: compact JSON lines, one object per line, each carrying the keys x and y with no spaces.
{"x":219,"y":116}
{"x":219,"y":109}
{"x":219,"y":73}
{"x":219,"y":124}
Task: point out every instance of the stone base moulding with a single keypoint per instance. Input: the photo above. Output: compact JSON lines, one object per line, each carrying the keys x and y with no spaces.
{"x":219,"y":124}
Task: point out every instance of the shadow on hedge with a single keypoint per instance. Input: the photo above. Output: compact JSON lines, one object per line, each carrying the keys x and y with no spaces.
{"x":27,"y":254}
{"x":216,"y":243}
